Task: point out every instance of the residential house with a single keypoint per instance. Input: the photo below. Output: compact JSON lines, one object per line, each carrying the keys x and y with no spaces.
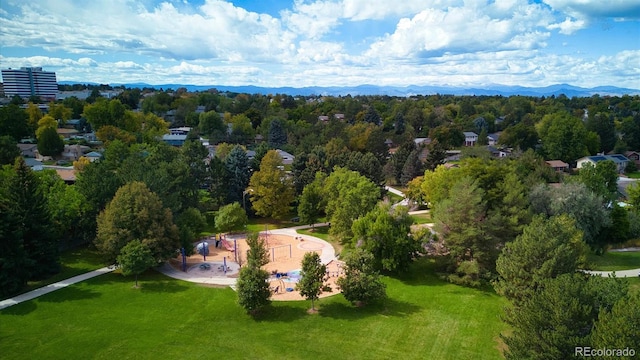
{"x":287,"y":159}
{"x":33,"y":164}
{"x":28,"y":150}
{"x":470,"y":138}
{"x":389,"y":143}
{"x":633,"y":156}
{"x":620,"y":160}
{"x":323,"y":118}
{"x":184,"y":130}
{"x":93,"y":156}
{"x":74,"y":152}
{"x":67,"y":133}
{"x":492,"y":139}
{"x":174,"y":140}
{"x":422,"y":141}
{"x":339,"y":117}
{"x":259,"y":138}
{"x":558,"y":165}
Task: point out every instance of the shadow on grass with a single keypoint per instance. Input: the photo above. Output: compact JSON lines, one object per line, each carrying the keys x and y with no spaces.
{"x":390,"y":307}
{"x":70,"y":293}
{"x":280,"y":313}
{"x":24,"y":308}
{"x":164,"y":286}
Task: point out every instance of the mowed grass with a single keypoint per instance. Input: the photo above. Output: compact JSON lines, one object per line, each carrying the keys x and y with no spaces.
{"x":72,"y":262}
{"x":422,"y":218}
{"x":616,"y":260}
{"x":105,"y":318}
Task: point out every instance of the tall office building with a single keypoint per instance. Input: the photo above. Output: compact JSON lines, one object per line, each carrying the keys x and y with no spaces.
{"x":30,"y":81}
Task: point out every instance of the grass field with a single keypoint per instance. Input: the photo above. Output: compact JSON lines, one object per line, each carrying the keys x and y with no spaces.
{"x":105,"y":318}
{"x":611,"y":261}
{"x":72,"y":262}
{"x":322,"y":232}
{"x":422,"y":218}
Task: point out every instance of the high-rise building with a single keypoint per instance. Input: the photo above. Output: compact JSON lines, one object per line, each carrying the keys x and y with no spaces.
{"x":30,"y":81}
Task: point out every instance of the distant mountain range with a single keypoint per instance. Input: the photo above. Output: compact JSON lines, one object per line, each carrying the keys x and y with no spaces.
{"x":504,"y":90}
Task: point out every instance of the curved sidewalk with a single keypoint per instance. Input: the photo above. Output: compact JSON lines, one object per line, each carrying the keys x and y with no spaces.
{"x":53,"y":287}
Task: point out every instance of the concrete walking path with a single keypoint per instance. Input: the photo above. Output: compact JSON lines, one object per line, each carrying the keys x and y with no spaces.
{"x":53,"y":287}
{"x":619,"y":273}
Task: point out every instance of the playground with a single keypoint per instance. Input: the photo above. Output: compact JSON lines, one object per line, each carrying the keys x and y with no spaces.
{"x":225,"y":254}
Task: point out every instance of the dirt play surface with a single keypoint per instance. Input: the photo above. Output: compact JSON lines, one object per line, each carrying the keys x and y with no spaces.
{"x":286,"y":249}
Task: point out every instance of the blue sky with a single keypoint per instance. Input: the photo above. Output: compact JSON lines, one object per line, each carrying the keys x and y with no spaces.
{"x":327,"y":42}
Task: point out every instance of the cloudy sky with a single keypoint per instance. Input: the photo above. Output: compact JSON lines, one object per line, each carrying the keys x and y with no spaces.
{"x":327,"y":42}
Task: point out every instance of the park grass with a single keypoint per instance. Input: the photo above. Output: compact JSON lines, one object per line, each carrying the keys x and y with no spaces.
{"x":424,"y":318}
{"x":72,"y":262}
{"x":614,"y":261}
{"x":393,"y":198}
{"x":634,"y":175}
{"x":634,"y":284}
{"x":422,"y":218}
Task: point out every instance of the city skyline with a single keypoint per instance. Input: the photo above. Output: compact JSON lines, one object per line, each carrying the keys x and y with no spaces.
{"x":327,"y":43}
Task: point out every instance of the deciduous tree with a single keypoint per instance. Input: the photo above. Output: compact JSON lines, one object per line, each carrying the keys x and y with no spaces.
{"x":272,"y":190}
{"x":231,"y":217}
{"x":361,"y":283}
{"x":312,"y":273}
{"x":135,"y":258}
{"x":385,"y":232}
{"x":136,"y":213}
{"x":349,"y":195}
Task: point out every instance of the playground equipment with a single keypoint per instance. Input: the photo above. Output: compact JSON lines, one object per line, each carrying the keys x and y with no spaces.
{"x":280,"y":252}
{"x":279,"y":288}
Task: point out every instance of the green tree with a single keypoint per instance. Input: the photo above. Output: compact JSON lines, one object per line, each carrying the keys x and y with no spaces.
{"x":602,"y":179}
{"x":212,"y":125}
{"x":385,"y":233}
{"x":257,"y":255}
{"x":14,"y":122}
{"x":239,"y":171}
{"x":14,"y":260}
{"x":30,"y":209}
{"x":436,"y":156}
{"x":231,"y":217}
{"x":563,"y":137}
{"x":618,"y":328}
{"x":437,"y":184}
{"x":190,"y":224}
{"x":277,"y":135}
{"x":560,"y":316}
{"x":105,"y":112}
{"x":59,"y":112}
{"x":136,"y":213}
{"x":461,"y":220}
{"x":311,"y":203}
{"x":521,"y":136}
{"x":253,"y":286}
{"x":546,"y":249}
{"x":312,"y":273}
{"x":361,"y":283}
{"x":372,"y":116}
{"x":633,"y":192}
{"x":135,"y":258}
{"x":602,"y":125}
{"x":272,"y":190}
{"x":49,"y":142}
{"x":575,"y":200}
{"x":9,"y":150}
{"x":411,"y":168}
{"x":349,"y":195}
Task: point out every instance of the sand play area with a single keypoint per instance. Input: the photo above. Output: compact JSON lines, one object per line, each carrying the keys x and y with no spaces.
{"x":285,"y":247}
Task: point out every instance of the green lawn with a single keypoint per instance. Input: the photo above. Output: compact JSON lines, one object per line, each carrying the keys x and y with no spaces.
{"x":422,"y":218}
{"x":105,"y":318}
{"x":611,"y":261}
{"x":73,"y":262}
{"x":634,"y":175}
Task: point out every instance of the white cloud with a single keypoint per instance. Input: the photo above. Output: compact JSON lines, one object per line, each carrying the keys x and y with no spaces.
{"x":594,"y":9}
{"x":477,"y":27}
